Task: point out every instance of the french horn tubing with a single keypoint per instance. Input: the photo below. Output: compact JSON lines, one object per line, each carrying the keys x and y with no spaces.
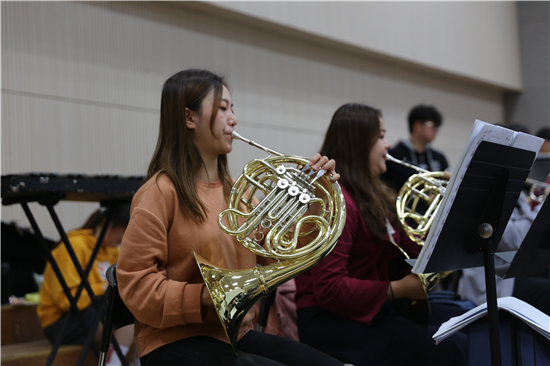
{"x":428,"y":187}
{"x":272,"y":229}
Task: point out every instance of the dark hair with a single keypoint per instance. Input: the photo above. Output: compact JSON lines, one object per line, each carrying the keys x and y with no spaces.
{"x":352,"y":133}
{"x":424,"y":113}
{"x":176,"y":154}
{"x":120,"y":216}
{"x":544,"y":133}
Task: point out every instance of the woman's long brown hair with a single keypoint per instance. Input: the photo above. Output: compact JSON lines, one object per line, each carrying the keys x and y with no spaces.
{"x":349,"y":139}
{"x":176,"y":153}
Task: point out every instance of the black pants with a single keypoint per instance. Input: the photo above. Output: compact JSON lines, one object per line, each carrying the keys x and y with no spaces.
{"x":254,"y":348}
{"x":389,"y":340}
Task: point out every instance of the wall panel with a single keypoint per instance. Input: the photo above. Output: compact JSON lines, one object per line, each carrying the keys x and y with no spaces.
{"x":81,"y":88}
{"x":473,"y":39}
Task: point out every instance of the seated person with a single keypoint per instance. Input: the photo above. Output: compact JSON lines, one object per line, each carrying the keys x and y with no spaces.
{"x":348,"y":305}
{"x":53,"y":308}
{"x":174,"y":215}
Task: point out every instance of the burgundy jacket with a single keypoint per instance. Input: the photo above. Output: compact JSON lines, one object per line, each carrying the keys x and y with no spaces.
{"x":352,"y":281}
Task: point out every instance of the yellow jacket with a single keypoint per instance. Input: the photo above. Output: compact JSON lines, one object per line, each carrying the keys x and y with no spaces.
{"x":53,"y":302}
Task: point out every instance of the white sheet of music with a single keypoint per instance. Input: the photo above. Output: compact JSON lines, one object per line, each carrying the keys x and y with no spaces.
{"x":532,"y":316}
{"x":481,"y":131}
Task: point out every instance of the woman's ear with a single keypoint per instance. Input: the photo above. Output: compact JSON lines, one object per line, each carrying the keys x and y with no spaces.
{"x":189,"y":120}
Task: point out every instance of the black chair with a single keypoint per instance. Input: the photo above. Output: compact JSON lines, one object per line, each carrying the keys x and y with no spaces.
{"x":117,"y":316}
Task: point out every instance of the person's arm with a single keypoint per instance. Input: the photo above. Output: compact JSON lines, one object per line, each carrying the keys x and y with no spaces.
{"x":144,"y":286}
{"x":206,"y":299}
{"x":410,"y":286}
{"x":333,"y":286}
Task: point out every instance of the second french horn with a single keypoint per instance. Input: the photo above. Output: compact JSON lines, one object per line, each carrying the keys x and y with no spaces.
{"x":425,"y":188}
{"x":422,"y":190}
{"x":279,"y":227}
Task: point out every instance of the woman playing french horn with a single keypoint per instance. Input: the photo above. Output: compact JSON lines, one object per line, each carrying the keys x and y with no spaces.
{"x":174,"y":214}
{"x":346,"y":304}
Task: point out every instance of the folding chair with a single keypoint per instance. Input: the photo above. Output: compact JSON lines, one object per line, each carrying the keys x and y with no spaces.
{"x":117,"y":316}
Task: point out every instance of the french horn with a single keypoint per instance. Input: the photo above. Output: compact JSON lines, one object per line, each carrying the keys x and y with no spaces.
{"x":429,"y":188}
{"x":272,"y":228}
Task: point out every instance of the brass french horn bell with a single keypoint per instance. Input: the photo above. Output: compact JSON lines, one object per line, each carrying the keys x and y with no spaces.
{"x":428,"y":187}
{"x":272,"y":229}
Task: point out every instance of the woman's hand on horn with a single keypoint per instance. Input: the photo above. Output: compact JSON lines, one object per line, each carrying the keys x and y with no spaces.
{"x":409,"y":287}
{"x":205,"y":297}
{"x":322,"y":162}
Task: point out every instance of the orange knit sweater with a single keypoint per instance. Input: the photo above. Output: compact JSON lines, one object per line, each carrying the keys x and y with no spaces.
{"x":158,"y":277}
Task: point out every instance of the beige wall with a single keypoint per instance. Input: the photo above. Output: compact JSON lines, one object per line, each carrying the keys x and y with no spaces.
{"x":81,"y":87}
{"x":531,"y":107}
{"x":477,"y":40}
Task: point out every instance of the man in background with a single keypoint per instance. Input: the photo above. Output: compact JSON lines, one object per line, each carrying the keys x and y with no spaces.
{"x":424,"y":122}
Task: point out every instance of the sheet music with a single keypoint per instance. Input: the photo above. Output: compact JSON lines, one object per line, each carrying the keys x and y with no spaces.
{"x":481,"y":131}
{"x":533,"y":317}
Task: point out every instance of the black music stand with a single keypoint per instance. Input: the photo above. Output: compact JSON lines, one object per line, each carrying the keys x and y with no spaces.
{"x":476,"y":219}
{"x":533,"y":256}
{"x":48,"y":189}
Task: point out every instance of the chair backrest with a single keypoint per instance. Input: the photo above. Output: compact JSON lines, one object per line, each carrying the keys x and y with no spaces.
{"x":117,"y":316}
{"x":121,"y":316}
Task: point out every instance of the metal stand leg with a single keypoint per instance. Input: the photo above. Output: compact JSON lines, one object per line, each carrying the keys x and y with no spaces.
{"x":492,"y":308}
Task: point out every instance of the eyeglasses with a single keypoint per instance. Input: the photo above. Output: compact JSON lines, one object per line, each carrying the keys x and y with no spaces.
{"x":430,"y":124}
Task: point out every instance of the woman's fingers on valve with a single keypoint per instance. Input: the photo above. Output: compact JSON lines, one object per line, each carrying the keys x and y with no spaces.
{"x":333,"y":176}
{"x":314,"y":162}
{"x":323,"y":162}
